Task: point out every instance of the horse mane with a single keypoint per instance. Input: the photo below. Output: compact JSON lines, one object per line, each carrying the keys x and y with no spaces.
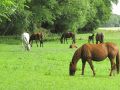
{"x":77,"y":55}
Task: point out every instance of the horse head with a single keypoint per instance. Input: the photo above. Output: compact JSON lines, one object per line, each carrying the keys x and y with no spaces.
{"x":72,"y":69}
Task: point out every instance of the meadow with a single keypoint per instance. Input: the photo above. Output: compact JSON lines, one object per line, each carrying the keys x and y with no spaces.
{"x":47,"y":68}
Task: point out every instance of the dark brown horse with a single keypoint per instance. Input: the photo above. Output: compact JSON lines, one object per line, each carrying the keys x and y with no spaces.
{"x":91,"y":38}
{"x":67,"y":35}
{"x":99,"y":38}
{"x":95,"y":52}
{"x":36,"y":37}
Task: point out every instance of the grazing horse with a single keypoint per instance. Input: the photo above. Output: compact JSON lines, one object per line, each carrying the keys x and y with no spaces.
{"x":36,"y":37}
{"x":67,"y":35}
{"x":73,"y":46}
{"x":95,"y":52}
{"x":99,"y":38}
{"x":25,"y":40}
{"x":91,"y":38}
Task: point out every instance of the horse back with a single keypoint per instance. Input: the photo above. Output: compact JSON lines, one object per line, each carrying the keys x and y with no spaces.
{"x":68,"y":34}
{"x":36,"y":36}
{"x":96,"y":52}
{"x":99,"y":52}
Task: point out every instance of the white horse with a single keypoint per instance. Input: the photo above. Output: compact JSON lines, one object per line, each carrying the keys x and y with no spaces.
{"x":25,"y":41}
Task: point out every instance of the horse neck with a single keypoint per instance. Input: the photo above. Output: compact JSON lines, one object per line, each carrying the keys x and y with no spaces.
{"x":76,"y":56}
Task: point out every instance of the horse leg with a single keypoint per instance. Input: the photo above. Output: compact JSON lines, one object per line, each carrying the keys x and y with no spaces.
{"x":91,"y":65}
{"x":36,"y":43}
{"x":73,"y":41}
{"x":83,"y":66}
{"x":96,"y":41}
{"x":40,"y":42}
{"x":112,"y":66}
{"x":66,"y":41}
{"x":31,"y":43}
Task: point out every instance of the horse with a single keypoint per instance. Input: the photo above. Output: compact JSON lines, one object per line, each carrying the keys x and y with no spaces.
{"x":25,"y":40}
{"x":99,"y":38}
{"x":73,"y":46}
{"x":91,"y":38}
{"x":36,"y":37}
{"x":66,"y":35}
{"x":95,"y":52}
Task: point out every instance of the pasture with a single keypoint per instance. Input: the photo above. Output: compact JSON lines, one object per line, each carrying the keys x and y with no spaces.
{"x":47,"y":68}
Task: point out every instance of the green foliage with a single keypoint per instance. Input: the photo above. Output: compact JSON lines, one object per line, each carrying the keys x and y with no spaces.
{"x":8,"y":7}
{"x":114,"y":21}
{"x":56,"y":15}
{"x":44,"y":10}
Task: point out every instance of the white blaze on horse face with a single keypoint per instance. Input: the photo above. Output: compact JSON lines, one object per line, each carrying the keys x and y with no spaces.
{"x":25,"y":40}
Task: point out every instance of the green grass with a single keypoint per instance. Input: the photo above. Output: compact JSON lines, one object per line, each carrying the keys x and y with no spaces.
{"x":47,"y":68}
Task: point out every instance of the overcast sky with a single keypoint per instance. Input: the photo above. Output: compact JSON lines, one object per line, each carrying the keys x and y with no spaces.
{"x":116,"y":8}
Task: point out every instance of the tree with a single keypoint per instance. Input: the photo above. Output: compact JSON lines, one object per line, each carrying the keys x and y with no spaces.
{"x":8,"y":7}
{"x":56,"y":15}
{"x":13,"y":16}
{"x":114,"y":21}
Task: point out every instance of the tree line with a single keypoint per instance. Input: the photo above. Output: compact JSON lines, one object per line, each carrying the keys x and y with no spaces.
{"x":114,"y":21}
{"x":55,"y":16}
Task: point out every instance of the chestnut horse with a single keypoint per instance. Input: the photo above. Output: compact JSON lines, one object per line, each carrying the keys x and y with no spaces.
{"x":36,"y":37}
{"x":99,"y":38}
{"x":91,"y":38}
{"x":66,"y":35}
{"x":95,"y":52}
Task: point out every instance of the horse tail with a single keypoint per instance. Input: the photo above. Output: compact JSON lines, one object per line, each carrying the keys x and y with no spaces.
{"x":117,"y":61}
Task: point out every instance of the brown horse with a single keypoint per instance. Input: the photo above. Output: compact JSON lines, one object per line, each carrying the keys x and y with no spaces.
{"x":73,"y":46}
{"x":36,"y":37}
{"x":95,"y":52}
{"x":91,"y":38}
{"x":99,"y":38}
{"x":67,"y":35}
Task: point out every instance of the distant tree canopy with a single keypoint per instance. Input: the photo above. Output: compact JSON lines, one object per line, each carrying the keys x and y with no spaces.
{"x":54,"y":15}
{"x":114,"y":21}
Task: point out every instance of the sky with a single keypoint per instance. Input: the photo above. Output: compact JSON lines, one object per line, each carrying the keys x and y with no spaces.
{"x":116,"y":8}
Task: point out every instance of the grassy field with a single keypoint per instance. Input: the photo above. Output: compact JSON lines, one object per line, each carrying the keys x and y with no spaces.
{"x":47,"y":68}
